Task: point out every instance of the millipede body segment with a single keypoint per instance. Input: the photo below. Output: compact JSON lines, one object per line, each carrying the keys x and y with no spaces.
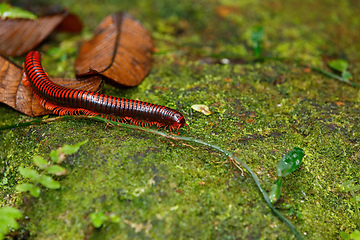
{"x":66,"y":101}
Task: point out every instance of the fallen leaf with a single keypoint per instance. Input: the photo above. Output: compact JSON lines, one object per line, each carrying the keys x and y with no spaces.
{"x":201,"y":108}
{"x":120,"y":50}
{"x":19,"y":36}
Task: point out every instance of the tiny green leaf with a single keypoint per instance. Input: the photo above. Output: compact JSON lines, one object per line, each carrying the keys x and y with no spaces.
{"x":28,"y":187}
{"x":40,"y":162}
{"x":54,"y":156}
{"x":346,"y":74}
{"x":290,"y":162}
{"x":352,"y":188}
{"x":11,"y":222}
{"x":48,"y":182}
{"x":355,"y":235}
{"x":114,"y":218}
{"x":8,"y":216}
{"x":256,"y":36}
{"x":29,"y":173}
{"x":35,"y":191}
{"x":8,"y":11}
{"x":3,"y":226}
{"x":70,"y":149}
{"x":98,"y":218}
{"x":339,"y":65}
{"x":24,"y":187}
{"x":56,"y":170}
{"x":10,"y":212}
{"x":345,"y":236}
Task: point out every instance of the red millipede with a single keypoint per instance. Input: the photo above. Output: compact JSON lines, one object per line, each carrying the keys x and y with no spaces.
{"x":66,"y":101}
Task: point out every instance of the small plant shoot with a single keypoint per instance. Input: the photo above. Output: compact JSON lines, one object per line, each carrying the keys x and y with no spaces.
{"x":355,"y":235}
{"x":8,"y":11}
{"x":8,"y":217}
{"x":256,"y":36}
{"x":341,"y":66}
{"x":288,"y":164}
{"x":47,"y":168}
{"x":59,"y":154}
{"x":99,"y":218}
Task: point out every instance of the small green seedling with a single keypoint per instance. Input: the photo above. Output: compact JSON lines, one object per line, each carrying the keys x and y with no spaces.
{"x":46,"y":168}
{"x":256,"y":36}
{"x":341,"y":66}
{"x":350,"y":187}
{"x":8,"y":216}
{"x":355,"y":235}
{"x":288,"y":164}
{"x":99,"y":218}
{"x":8,"y":11}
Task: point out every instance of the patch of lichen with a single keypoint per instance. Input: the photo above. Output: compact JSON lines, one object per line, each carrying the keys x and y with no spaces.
{"x":162,"y":189}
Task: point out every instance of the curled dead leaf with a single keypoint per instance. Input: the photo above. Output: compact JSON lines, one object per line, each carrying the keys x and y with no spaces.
{"x":120,"y":50}
{"x":18,"y":36}
{"x":201,"y":108}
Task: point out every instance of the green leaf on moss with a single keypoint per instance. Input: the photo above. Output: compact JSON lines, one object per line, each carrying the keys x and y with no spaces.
{"x":54,"y":156}
{"x":56,"y":170}
{"x":40,"y":162}
{"x":256,"y":36}
{"x":48,"y":182}
{"x":339,"y":65}
{"x":8,"y":11}
{"x":355,"y":235}
{"x":346,"y":74}
{"x":98,"y":218}
{"x":10,"y":212}
{"x":29,"y":173}
{"x":8,"y":216}
{"x":70,"y":149}
{"x":28,"y":187}
{"x":290,"y":162}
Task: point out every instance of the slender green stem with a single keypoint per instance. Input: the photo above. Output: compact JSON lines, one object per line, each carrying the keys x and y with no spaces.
{"x":179,"y":138}
{"x":356,"y":209}
{"x":329,"y":74}
{"x":227,"y":153}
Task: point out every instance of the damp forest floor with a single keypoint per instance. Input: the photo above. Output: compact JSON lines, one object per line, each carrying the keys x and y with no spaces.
{"x":262,"y":107}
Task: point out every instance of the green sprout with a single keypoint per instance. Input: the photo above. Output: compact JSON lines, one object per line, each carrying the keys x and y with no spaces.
{"x":256,"y":36}
{"x":341,"y":66}
{"x":350,"y":187}
{"x":99,"y":218}
{"x":288,"y":164}
{"x":8,"y":216}
{"x":46,"y":168}
{"x":8,"y":11}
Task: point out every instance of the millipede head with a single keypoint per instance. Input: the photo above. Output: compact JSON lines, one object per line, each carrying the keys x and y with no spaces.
{"x":179,"y":121}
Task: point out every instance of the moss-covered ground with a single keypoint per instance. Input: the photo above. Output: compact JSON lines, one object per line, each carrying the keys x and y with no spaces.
{"x":161,"y":189}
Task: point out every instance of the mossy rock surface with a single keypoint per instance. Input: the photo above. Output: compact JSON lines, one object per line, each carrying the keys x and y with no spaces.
{"x":162,"y":189}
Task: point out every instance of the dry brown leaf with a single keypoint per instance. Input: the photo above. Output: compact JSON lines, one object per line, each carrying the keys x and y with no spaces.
{"x":19,"y":36}
{"x":120,"y":50}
